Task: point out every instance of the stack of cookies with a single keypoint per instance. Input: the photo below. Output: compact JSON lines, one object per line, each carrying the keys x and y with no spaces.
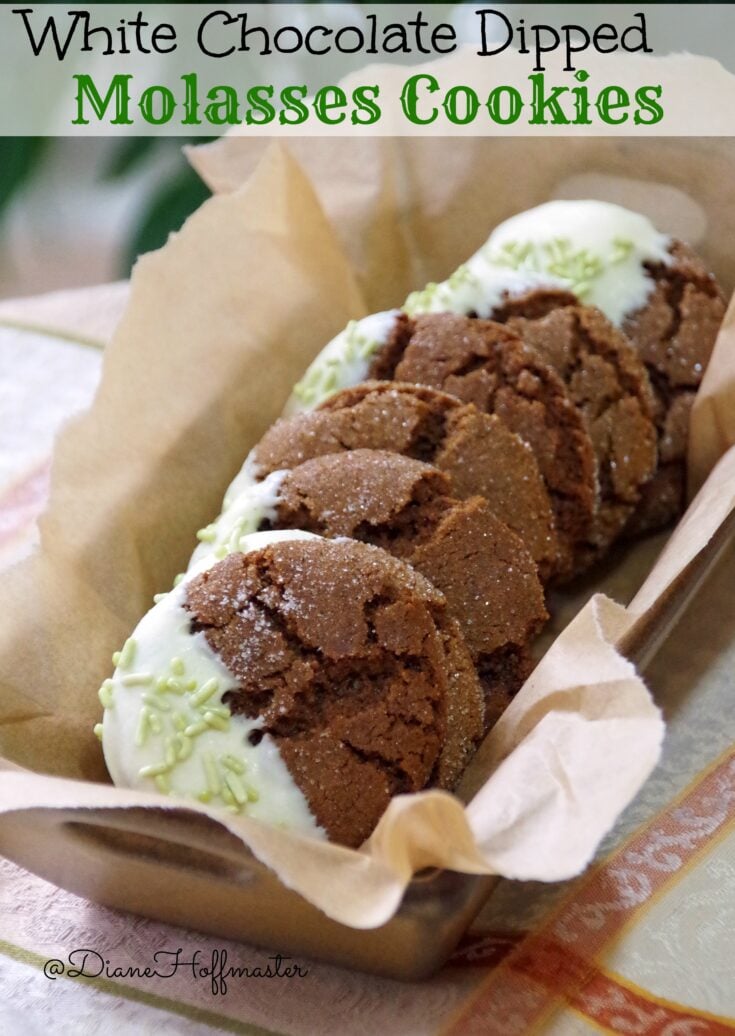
{"x":362,"y":610}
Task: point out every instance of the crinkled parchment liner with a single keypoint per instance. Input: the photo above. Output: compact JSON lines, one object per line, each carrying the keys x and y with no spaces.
{"x":220,"y":324}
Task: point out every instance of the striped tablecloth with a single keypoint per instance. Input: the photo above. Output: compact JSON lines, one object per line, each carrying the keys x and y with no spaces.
{"x":643,"y":943}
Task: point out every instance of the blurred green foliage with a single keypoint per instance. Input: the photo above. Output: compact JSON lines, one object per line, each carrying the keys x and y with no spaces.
{"x":19,"y":159}
{"x":168,"y":205}
{"x":163,"y":210}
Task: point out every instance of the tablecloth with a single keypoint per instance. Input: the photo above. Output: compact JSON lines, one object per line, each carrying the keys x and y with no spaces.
{"x":643,"y":943}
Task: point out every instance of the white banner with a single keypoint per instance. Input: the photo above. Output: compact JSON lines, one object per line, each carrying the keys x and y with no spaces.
{"x":346,"y":70}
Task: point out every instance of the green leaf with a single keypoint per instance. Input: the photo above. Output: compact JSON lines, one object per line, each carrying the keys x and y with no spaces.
{"x":166,"y":211}
{"x":126,"y":155}
{"x":19,"y":157}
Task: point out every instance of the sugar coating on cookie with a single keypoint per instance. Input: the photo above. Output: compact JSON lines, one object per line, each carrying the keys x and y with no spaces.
{"x":646,"y":282}
{"x":609,"y":384}
{"x":482,"y":362}
{"x":477,"y":288}
{"x":652,"y":286}
{"x":348,"y":660}
{"x":479,"y":453}
{"x":405,"y":506}
{"x":167,"y":728}
{"x":674,"y":334}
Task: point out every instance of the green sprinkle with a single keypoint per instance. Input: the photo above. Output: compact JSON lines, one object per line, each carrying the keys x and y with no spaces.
{"x":230,"y":762}
{"x":178,"y":578}
{"x":205,"y":692}
{"x":421,"y":301}
{"x":175,"y":685}
{"x":170,"y":753}
{"x":177,"y":666}
{"x":324,"y":377}
{"x":220,"y":553}
{"x":154,"y":770}
{"x":184,"y":746}
{"x":461,"y":276}
{"x":215,"y":721}
{"x":143,"y":728}
{"x":622,"y":248}
{"x":163,"y":783}
{"x":127,"y":655}
{"x":162,"y":684}
{"x":194,"y":729}
{"x":98,"y":728}
{"x":220,"y":710}
{"x":208,"y":534}
{"x":577,"y":266}
{"x":116,"y":658}
{"x":157,"y":598}
{"x":156,"y":702}
{"x":210,"y":772}
{"x":366,"y":350}
{"x":105,"y":694}
{"x":253,"y":795}
{"x":235,"y":785}
{"x":154,"y":722}
{"x":239,"y":529}
{"x":138,"y":679}
{"x":190,"y":685}
{"x":229,"y":799}
{"x":205,"y":796}
{"x":179,"y":720}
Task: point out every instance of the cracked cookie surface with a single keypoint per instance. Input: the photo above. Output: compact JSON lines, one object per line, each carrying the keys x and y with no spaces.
{"x":481,"y":456}
{"x":351,"y":660}
{"x":608,"y":383}
{"x":406,"y":507}
{"x":674,"y":334}
{"x":483,"y":363}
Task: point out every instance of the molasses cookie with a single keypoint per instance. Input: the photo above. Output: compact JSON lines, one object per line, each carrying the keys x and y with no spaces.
{"x":674,"y":333}
{"x":480,"y":454}
{"x":608,"y":383}
{"x":304,"y":682}
{"x":351,"y":662}
{"x":405,"y":506}
{"x":484,"y":363}
{"x":650,"y":285}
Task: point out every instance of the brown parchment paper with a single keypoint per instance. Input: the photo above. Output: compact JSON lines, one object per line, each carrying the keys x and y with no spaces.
{"x":410,"y":210}
{"x":219,"y":325}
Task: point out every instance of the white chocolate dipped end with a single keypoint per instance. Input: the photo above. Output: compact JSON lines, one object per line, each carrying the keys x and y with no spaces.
{"x":343,"y":362}
{"x":240,"y":518}
{"x":593,"y":249}
{"x":247,"y":476}
{"x":597,"y":250}
{"x":166,"y":728}
{"x":478,"y":287}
